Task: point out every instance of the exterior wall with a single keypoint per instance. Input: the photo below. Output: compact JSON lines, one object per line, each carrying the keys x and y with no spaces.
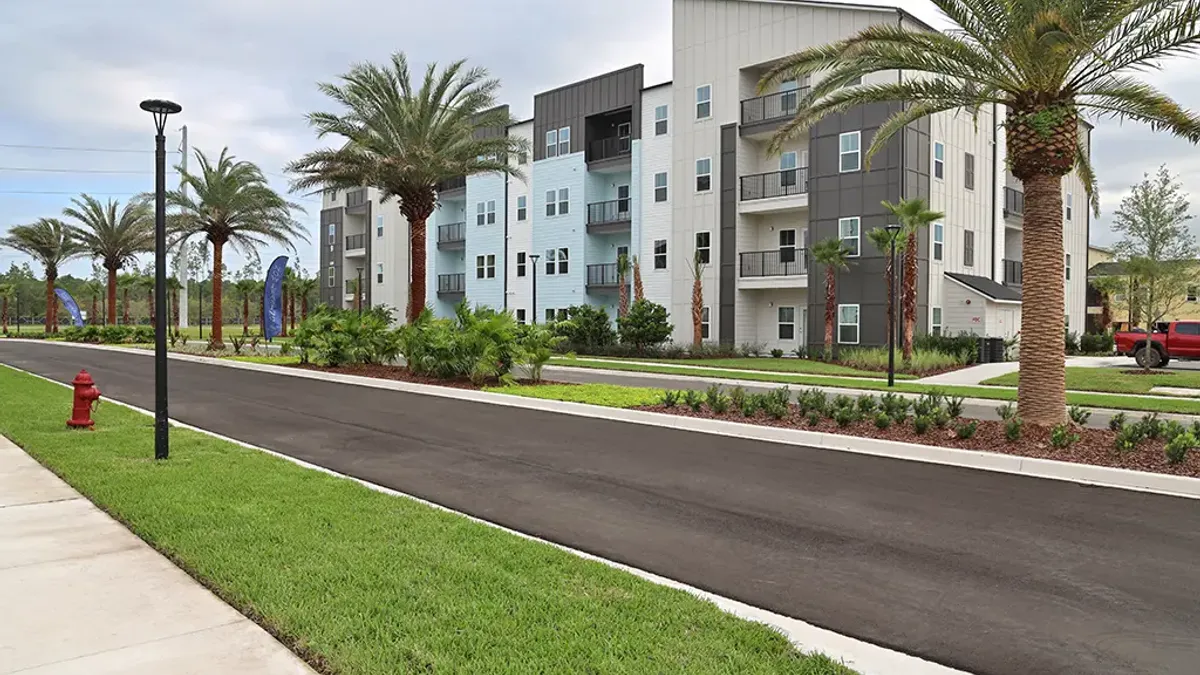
{"x":449,"y":261}
{"x":391,"y":251}
{"x":331,"y":249}
{"x":1075,"y":242}
{"x":485,"y":240}
{"x":766,"y":318}
{"x":571,"y":105}
{"x":967,"y":311}
{"x":560,"y":291}
{"x":655,"y":218}
{"x":520,"y":233}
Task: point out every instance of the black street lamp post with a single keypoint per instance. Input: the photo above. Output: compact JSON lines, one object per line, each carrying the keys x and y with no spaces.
{"x":533,"y":312}
{"x":893,"y":234}
{"x":358,"y":293}
{"x":160,"y":109}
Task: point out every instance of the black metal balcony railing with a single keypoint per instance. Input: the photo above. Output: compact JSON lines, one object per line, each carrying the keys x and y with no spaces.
{"x":602,"y":275}
{"x":356,"y":198}
{"x":779,"y":105}
{"x":356,"y":241}
{"x":602,"y":213}
{"x":458,"y":183}
{"x":784,"y":262}
{"x":1014,"y":202}
{"x":1014,"y":272}
{"x":452,"y":283}
{"x":608,"y":148}
{"x":775,"y":184}
{"x":452,"y":233}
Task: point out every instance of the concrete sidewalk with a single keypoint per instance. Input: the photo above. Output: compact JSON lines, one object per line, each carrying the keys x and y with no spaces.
{"x":83,"y":596}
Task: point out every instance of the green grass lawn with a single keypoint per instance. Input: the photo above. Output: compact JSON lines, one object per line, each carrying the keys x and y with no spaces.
{"x":270,"y":360}
{"x":610,"y":395}
{"x":804,"y":366}
{"x":369,"y":583}
{"x":1113,"y":380}
{"x":228,"y":331}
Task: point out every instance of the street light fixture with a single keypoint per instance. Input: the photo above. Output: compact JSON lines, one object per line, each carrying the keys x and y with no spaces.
{"x":534,"y":257}
{"x":893,"y":231}
{"x":160,"y":109}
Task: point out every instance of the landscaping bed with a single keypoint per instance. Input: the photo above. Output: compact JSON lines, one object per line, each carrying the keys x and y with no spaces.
{"x":1114,"y":380}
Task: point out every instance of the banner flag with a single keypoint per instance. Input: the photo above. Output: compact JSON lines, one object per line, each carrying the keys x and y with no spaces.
{"x":273,"y":298}
{"x":69,"y":302}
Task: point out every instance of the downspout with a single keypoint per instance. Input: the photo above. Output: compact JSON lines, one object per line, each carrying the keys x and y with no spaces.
{"x":995,"y":177}
{"x":507,"y":183}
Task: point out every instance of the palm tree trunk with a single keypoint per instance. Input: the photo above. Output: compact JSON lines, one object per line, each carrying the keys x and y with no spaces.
{"x":697,"y":312}
{"x":830,"y":308}
{"x":218,"y":253}
{"x":4,"y":315}
{"x":416,"y":284}
{"x":639,"y":291}
{"x":304,"y":307}
{"x":125,"y":307}
{"x":283,"y":307}
{"x":292,"y":309}
{"x":909,"y":292}
{"x":1041,"y":387}
{"x":112,"y":296}
{"x":245,"y":313}
{"x":50,"y":304}
{"x":622,"y":296}
{"x":95,"y":317}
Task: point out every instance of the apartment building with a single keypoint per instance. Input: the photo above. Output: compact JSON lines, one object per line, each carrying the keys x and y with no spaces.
{"x":664,"y":171}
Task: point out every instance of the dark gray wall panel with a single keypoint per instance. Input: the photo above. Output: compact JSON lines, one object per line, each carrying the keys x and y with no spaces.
{"x":727,"y":279}
{"x":572,"y":104}
{"x":332,"y":296}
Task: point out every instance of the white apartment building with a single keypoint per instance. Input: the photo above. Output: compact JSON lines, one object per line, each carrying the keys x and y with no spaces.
{"x":663,"y":171}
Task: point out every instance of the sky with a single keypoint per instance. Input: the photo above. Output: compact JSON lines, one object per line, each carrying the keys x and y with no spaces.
{"x":72,"y":73}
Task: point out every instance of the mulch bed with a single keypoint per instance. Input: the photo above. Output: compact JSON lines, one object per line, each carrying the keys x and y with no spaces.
{"x":1142,"y":371}
{"x":401,"y":374}
{"x":1095,"y":446}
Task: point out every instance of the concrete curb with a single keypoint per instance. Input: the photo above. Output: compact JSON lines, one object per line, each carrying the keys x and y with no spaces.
{"x":1084,"y":474}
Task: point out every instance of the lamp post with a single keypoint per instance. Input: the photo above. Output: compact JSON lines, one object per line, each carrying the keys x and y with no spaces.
{"x":893,"y":231}
{"x":358,"y":294}
{"x":534,"y":257}
{"x":160,"y":109}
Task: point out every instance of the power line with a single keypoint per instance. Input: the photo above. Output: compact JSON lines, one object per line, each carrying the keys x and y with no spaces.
{"x":30,"y":169}
{"x":66,"y":148}
{"x":63,"y":192}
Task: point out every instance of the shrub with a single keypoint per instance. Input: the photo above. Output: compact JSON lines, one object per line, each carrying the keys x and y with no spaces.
{"x":1071,"y":341}
{"x":921,"y":424}
{"x":800,"y":353}
{"x":1172,"y":430}
{"x":876,"y":358}
{"x":535,"y":345}
{"x":669,"y":398}
{"x":882,"y":420}
{"x":782,"y":396}
{"x":930,"y":404}
{"x":238,"y":343}
{"x":1117,"y":422}
{"x":716,"y":399}
{"x":1012,"y":429}
{"x":1062,"y":436}
{"x":775,"y":408}
{"x":842,"y":401}
{"x":777,"y":353}
{"x":693,"y":399}
{"x":967,"y":430}
{"x":941,"y":419}
{"x":479,"y":344}
{"x":813,"y":418}
{"x":750,"y":406}
{"x":1151,"y":426}
{"x":1196,"y":428}
{"x":954,"y":406}
{"x":173,"y":337}
{"x":844,"y":417}
{"x":115,"y":334}
{"x":1007,"y":411}
{"x":337,"y":337}
{"x":1096,"y":343}
{"x":671,"y":351}
{"x":1178,"y":447}
{"x":737,"y":396}
{"x":894,"y":404}
{"x":586,"y":329}
{"x":964,"y":347}
{"x":142,"y":334}
{"x":286,"y":349}
{"x":866,"y":404}
{"x":1128,"y":439}
{"x":644,"y":326}
{"x":814,"y":399}
{"x":1078,"y":415}
{"x":751,"y":349}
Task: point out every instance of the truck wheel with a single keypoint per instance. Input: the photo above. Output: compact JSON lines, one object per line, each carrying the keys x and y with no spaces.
{"x":1148,"y":357}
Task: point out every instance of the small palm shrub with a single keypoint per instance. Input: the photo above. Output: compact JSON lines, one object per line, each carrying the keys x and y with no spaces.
{"x":1079,"y":416}
{"x":337,"y":337}
{"x":238,"y":343}
{"x":1062,"y":436}
{"x":716,"y":399}
{"x":479,"y":344}
{"x":738,"y":397}
{"x":1007,"y":411}
{"x":842,"y":401}
{"x":866,"y":404}
{"x":967,"y":429}
{"x":693,"y":399}
{"x":882,"y":420}
{"x":954,"y":406}
{"x":669,"y":398}
{"x":1012,"y":429}
{"x":1117,"y":422}
{"x":1178,"y":447}
{"x":1151,"y":426}
{"x":536,"y":344}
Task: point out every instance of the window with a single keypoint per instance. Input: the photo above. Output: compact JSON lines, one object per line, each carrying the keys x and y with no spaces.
{"x":788,"y":98}
{"x":521,"y":263}
{"x":660,"y":187}
{"x":378,"y":226}
{"x":787,"y":323}
{"x":562,"y":261}
{"x":522,"y":208}
{"x":549,"y":315}
{"x":491,"y":212}
{"x":564,"y":141}
{"x":564,"y":201}
{"x":521,"y":316}
{"x":787,"y":169}
{"x":485,"y":266}
{"x":854,"y":83}
{"x":939,"y":239}
{"x":379,"y":273}
{"x":968,"y":248}
{"x":847,"y":324}
{"x":551,"y":205}
{"x":787,"y":246}
{"x":969,"y":171}
{"x":1070,"y":205}
{"x":623,"y":202}
{"x":332,"y":232}
{"x":1191,"y":293}
{"x":935,"y":321}
{"x":480,"y":213}
{"x":660,"y":120}
{"x":849,"y":156}
{"x":704,"y":246}
{"x":622,"y":251}
{"x":552,"y":143}
{"x":1187,"y":328}
{"x":331,"y":276}
{"x":660,"y":254}
{"x":550,"y":263}
{"x":848,"y":232}
{"x":1067,"y":266}
{"x":522,"y":158}
{"x":704,"y":102}
{"x":704,"y":316}
{"x":491,"y":266}
{"x":939,"y":160}
{"x":704,"y":174}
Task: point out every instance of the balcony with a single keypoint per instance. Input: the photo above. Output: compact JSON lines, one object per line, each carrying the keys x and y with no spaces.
{"x":611,"y":154}
{"x":454,"y":187}
{"x":356,"y":201}
{"x":608,"y":217}
{"x":356,"y":245}
{"x":774,"y":191}
{"x":1014,"y":272}
{"x":451,"y":284}
{"x":1014,"y":203}
{"x":452,"y":236}
{"x":602,"y":276}
{"x":780,"y":268}
{"x":762,"y":114}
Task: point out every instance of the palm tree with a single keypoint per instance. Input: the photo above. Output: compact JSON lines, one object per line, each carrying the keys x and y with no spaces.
{"x":229,"y":202}
{"x":832,"y":253}
{"x":95,"y":289}
{"x":883,"y":239}
{"x":127,"y":282}
{"x":622,"y":285}
{"x":49,"y":242}
{"x":404,"y":141}
{"x":173,"y":288}
{"x":914,"y":216}
{"x":114,"y":236}
{"x":147,"y":282}
{"x":1044,"y":61}
{"x":7,"y":291}
{"x":639,"y":291}
{"x":306,"y":287}
{"x":245,"y":288}
{"x":697,"y":300}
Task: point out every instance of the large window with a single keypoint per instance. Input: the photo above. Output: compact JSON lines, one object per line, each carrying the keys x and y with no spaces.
{"x":331,"y":276}
{"x":332,"y":233}
{"x":969,"y":171}
{"x":660,"y":186}
{"x":522,"y":207}
{"x":704,"y":102}
{"x":935,"y":321}
{"x":552,"y":143}
{"x":849,"y":151}
{"x":521,"y":263}
{"x":939,"y":160}
{"x":485,"y":213}
{"x":704,"y":316}
{"x":379,"y":273}
{"x":787,"y":323}
{"x":704,"y":174}
{"x":563,"y":265}
{"x":551,"y":265}
{"x":1070,"y":205}
{"x":787,"y":246}
{"x":564,"y":141}
{"x":939,"y":240}
{"x":848,"y":324}
{"x":849,"y":232}
{"x":704,"y":247}
{"x":551,"y":204}
{"x":660,"y":254}
{"x":564,"y":201}
{"x":660,"y":120}
{"x":485,"y":266}
{"x":378,"y":226}
{"x":968,"y":248}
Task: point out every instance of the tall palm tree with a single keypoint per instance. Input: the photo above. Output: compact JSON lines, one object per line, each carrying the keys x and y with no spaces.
{"x":49,"y":242}
{"x":95,"y":289}
{"x":883,"y":240}
{"x":832,"y":253}
{"x":404,"y":141}
{"x":697,"y":268}
{"x":622,"y":285}
{"x":147,"y":282}
{"x":914,"y":216}
{"x":173,"y":288}
{"x":228,"y":201}
{"x":1045,"y":62}
{"x":7,"y":291}
{"x":639,"y":291}
{"x":305,"y":288}
{"x":113,"y":234}
{"x":245,"y":288}
{"x":127,"y":282}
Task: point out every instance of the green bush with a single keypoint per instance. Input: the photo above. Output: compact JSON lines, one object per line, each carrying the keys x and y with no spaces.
{"x":866,"y":404}
{"x":1079,"y":416}
{"x":882,"y":420}
{"x":716,"y":399}
{"x":693,"y":399}
{"x":774,"y":407}
{"x":954,"y":406}
{"x":894,"y":405}
{"x":669,"y":398}
{"x":737,"y":397}
{"x":1096,"y":343}
{"x":535,"y":345}
{"x":1071,"y":341}
{"x":1178,"y":447}
{"x":963,"y":347}
{"x":1172,"y":430}
{"x":586,"y":329}
{"x":479,"y":344}
{"x":1117,"y":422}
{"x":813,"y":418}
{"x":1062,"y":436}
{"x":845,"y":417}
{"x":814,"y":399}
{"x":921,"y":424}
{"x":941,"y":419}
{"x":777,"y":353}
{"x":1151,"y":426}
{"x":339,"y":337}
{"x":1012,"y":429}
{"x":749,"y":406}
{"x":923,"y":360}
{"x":751,"y":349}
{"x":1128,"y":439}
{"x":644,"y":326}
{"x":967,"y":429}
{"x":1007,"y":411}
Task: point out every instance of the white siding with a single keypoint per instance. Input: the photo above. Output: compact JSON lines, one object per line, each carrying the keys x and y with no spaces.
{"x":656,"y":216}
{"x":520,"y":234}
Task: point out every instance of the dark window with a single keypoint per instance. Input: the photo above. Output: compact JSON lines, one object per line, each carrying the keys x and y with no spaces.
{"x":1187,"y":328}
{"x":660,"y":254}
{"x":968,"y":248}
{"x":521,"y":264}
{"x":969,"y":171}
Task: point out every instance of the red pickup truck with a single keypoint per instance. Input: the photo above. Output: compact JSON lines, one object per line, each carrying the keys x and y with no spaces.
{"x":1180,"y":340}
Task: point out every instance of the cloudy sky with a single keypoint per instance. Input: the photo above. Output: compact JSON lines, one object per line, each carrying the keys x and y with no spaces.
{"x":73,"y":71}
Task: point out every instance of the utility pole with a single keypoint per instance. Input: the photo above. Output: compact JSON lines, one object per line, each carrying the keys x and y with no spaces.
{"x":181,"y":267}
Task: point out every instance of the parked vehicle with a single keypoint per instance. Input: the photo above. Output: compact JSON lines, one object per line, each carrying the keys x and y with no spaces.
{"x":1175,"y":340}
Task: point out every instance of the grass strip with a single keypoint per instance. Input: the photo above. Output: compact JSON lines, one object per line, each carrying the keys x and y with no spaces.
{"x":609,"y":395}
{"x":362,"y":582}
{"x":269,"y":360}
{"x":800,"y":366}
{"x":1114,"y":381}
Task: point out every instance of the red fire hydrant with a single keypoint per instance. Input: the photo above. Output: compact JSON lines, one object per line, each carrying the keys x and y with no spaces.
{"x":86,"y":394}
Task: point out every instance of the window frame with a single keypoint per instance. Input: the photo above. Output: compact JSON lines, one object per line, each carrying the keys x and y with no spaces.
{"x":379,"y":227}
{"x":551,"y":203}
{"x":939,"y":164}
{"x":522,"y":208}
{"x":480,"y":266}
{"x":522,"y":263}
{"x":968,"y":248}
{"x":787,"y":252}
{"x":664,"y":121}
{"x":564,"y":138}
{"x":936,"y":321}
{"x":857,"y":324}
{"x":969,"y":171}
{"x":856,"y":152}
{"x":1067,"y":266}
{"x":549,"y":315}
{"x":1069,"y":206}
{"x":379,"y":273}
{"x":480,"y":213}
{"x":704,"y":102}
{"x":332,"y":229}
{"x":550,"y":261}
{"x":564,"y":201}
{"x":780,"y":323}
{"x":491,"y":266}
{"x":491,"y":212}
{"x":564,"y":260}
{"x":665,"y":187}
{"x":706,"y":175}
{"x":552,"y":145}
{"x":660,"y":257}
{"x":856,"y":250}
{"x":705,"y":323}
{"x":706,"y":249}
{"x":938,"y":238}
{"x":331,"y":275}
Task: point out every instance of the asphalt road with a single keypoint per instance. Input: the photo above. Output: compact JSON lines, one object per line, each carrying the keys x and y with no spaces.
{"x":985,"y":572}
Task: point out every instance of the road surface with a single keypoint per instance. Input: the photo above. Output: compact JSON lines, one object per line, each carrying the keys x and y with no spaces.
{"x":981,"y":571}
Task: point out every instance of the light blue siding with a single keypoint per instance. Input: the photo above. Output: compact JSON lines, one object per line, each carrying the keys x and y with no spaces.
{"x":485,"y":240}
{"x":443,"y":262}
{"x":559,"y":291}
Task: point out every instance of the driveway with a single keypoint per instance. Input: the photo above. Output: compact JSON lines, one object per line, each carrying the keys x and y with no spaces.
{"x":985,"y":572}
